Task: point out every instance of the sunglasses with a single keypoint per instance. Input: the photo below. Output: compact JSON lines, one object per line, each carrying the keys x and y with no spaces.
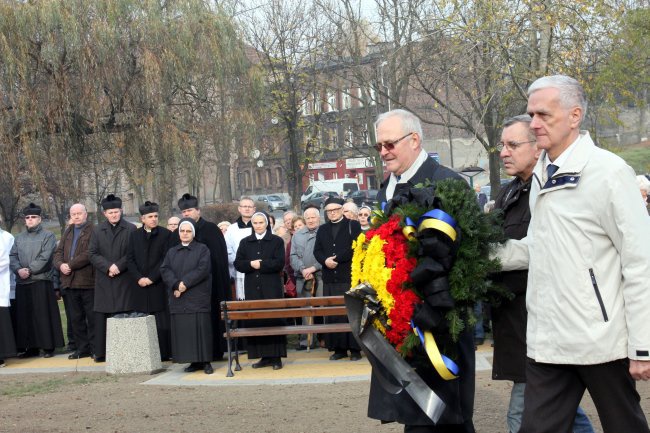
{"x":389,"y":145}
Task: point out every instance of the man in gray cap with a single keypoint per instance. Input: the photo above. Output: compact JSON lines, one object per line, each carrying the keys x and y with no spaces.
{"x":333,"y":250}
{"x":209,"y":234}
{"x":147,"y":249}
{"x":108,"y":254}
{"x":37,"y":314}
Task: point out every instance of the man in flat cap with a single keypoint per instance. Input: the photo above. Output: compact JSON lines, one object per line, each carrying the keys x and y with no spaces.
{"x":114,"y":288}
{"x":209,"y":234}
{"x":333,"y":250}
{"x":77,"y":276}
{"x":147,"y":249}
{"x":37,"y":314}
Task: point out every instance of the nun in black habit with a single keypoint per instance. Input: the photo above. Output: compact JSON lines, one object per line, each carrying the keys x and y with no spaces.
{"x":187,"y":274}
{"x":261,"y":257}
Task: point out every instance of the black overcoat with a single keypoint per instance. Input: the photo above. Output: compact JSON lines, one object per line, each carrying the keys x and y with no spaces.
{"x":458,"y":394}
{"x":509,"y":318}
{"x":110,"y":245}
{"x":326,"y":246}
{"x":266,"y":282}
{"x":147,"y":251}
{"x":191,"y":265}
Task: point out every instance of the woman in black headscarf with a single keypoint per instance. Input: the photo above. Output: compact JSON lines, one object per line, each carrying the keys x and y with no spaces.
{"x":261,"y":257}
{"x":187,"y":274}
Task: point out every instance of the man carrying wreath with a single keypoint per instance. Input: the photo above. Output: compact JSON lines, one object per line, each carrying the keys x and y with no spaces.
{"x":399,"y":142}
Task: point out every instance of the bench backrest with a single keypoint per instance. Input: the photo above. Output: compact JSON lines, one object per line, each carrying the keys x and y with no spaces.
{"x":283,"y":308}
{"x":261,"y":304}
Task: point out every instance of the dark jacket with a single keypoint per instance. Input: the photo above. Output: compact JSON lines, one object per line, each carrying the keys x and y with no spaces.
{"x":33,"y":249}
{"x":327,"y":246}
{"x":110,"y":245}
{"x":458,"y":394}
{"x":509,"y":319}
{"x":191,"y":265}
{"x":265,"y":282}
{"x":83,"y":272}
{"x":146,"y":253}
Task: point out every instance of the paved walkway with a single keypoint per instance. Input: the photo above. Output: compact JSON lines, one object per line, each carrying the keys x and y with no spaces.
{"x":299,"y":368}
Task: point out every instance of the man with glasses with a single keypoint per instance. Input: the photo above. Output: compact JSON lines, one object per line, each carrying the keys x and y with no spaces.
{"x":234,"y":234}
{"x":172,"y":223}
{"x":333,"y":250}
{"x":518,"y":152}
{"x":399,"y":136}
{"x":37,"y":313}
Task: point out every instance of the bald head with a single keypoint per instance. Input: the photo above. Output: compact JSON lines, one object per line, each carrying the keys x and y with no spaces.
{"x":78,"y":214}
{"x":172,"y":223}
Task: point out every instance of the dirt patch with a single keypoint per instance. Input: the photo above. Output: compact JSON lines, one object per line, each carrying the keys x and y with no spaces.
{"x":97,"y":402}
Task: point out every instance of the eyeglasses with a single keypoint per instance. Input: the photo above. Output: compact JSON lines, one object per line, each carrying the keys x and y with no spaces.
{"x":29,"y":217}
{"x":336,"y":209}
{"x":390,"y":145}
{"x":512,"y":145}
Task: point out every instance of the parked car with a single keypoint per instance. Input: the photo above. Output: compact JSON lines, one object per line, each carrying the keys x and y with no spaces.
{"x":273,"y":202}
{"x":487,"y":189}
{"x":317,"y":199}
{"x":365,"y":197}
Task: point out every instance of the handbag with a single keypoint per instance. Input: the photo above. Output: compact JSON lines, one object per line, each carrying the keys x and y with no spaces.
{"x":290,"y":289}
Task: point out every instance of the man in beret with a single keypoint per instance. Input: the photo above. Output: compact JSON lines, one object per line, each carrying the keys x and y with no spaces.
{"x":147,"y":249}
{"x":209,"y":234}
{"x":77,"y":277}
{"x":114,"y":288}
{"x":37,"y":313}
{"x":333,"y":250}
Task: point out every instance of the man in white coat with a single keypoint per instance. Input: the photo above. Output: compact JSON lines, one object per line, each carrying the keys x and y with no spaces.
{"x":7,"y":340}
{"x":235,"y":233}
{"x":588,"y":294}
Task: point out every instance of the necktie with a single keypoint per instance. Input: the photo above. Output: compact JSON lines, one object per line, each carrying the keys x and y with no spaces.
{"x":551,"y":169}
{"x":398,"y":178}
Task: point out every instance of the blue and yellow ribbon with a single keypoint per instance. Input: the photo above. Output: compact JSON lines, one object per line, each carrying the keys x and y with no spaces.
{"x":435,"y":219}
{"x":446,"y":368}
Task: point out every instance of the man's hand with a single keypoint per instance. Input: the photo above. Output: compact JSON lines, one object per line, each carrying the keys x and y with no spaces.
{"x":57,"y":294}
{"x":331,"y":263}
{"x":182,"y":287}
{"x":144,"y":282}
{"x":256,"y":264}
{"x":308,"y":273}
{"x":65,"y":269}
{"x":113,"y":270}
{"x":24,"y":273}
{"x":640,"y":370}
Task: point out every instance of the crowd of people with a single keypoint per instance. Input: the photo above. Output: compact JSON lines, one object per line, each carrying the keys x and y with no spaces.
{"x":576,"y":263}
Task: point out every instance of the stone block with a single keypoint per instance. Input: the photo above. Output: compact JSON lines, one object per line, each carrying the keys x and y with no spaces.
{"x":132,"y":346}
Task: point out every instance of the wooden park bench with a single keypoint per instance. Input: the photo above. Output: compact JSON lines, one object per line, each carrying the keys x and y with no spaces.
{"x":235,"y":312}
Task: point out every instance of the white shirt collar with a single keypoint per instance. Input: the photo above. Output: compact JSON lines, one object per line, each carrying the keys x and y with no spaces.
{"x":406,"y":176}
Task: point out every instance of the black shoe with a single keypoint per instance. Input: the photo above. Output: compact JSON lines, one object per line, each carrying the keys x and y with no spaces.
{"x":79,"y":355}
{"x":195,"y":366}
{"x":337,"y":355}
{"x":100,"y":359}
{"x":30,"y":353}
{"x":301,"y":347}
{"x":355,"y":356}
{"x":2,"y":363}
{"x":71,"y":348}
{"x":48,"y":353}
{"x":277,"y":365}
{"x":207,"y":368}
{"x":264,"y":362}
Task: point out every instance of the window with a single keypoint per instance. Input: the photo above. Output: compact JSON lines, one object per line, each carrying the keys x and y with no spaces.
{"x":347,"y":99}
{"x":349,"y":137}
{"x":334,"y":138}
{"x":331,"y":100}
{"x":278,"y":175}
{"x":258,"y":178}
{"x":247,"y":180}
{"x":372,"y":96}
{"x":269,"y":177}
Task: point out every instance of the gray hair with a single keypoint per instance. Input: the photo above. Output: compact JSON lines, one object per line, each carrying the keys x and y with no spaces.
{"x":352,"y":207}
{"x":571,"y":92}
{"x":522,"y":118}
{"x":409,"y":121}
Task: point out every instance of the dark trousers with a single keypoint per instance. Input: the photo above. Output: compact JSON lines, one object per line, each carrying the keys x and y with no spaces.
{"x":553,"y":392}
{"x":82,"y":318}
{"x":99,"y":347}
{"x":69,"y":327}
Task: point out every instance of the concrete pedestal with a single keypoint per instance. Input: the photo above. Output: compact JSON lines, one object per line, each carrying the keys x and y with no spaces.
{"x":132,"y":346}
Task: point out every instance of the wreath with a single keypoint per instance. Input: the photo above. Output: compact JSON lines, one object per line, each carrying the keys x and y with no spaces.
{"x":426,"y":259}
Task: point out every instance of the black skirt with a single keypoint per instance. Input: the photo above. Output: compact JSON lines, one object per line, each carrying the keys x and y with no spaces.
{"x":341,"y":340}
{"x":7,"y":341}
{"x":37,"y":316}
{"x":191,"y":337}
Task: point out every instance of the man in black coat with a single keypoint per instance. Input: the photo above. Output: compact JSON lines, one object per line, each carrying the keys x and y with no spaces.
{"x":518,"y":152}
{"x":333,"y":250}
{"x":399,"y":142}
{"x":147,"y":249}
{"x":210,"y":235}
{"x":114,"y":288}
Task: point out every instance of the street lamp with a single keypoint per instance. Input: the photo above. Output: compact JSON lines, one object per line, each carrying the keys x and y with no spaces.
{"x":470,"y":172}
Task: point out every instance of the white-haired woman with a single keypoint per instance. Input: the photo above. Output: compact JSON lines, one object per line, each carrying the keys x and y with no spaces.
{"x":260,"y":257}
